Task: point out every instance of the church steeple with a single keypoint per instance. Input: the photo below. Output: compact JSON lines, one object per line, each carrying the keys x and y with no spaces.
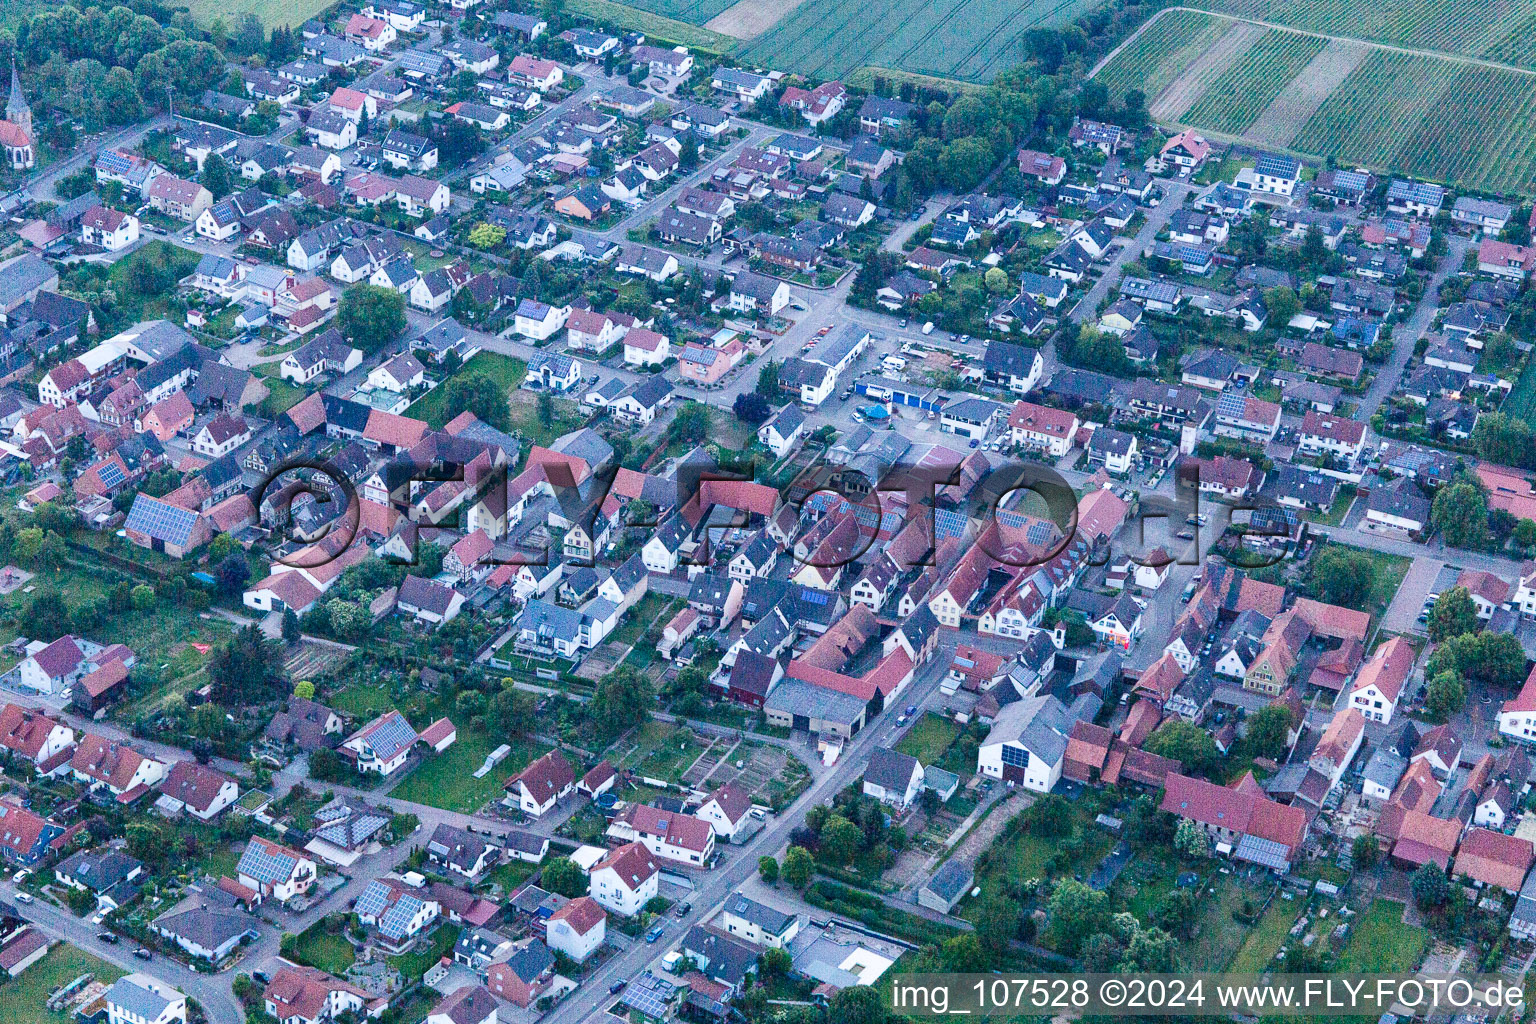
{"x":16,"y":109}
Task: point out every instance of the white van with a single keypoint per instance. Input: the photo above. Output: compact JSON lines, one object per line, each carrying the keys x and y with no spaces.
{"x":928,"y":327}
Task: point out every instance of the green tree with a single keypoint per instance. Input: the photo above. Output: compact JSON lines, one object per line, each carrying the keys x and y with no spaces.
{"x":1500,"y":437}
{"x":1076,"y":911}
{"x":841,"y":839}
{"x":546,"y":409}
{"x":1525,"y":533}
{"x":146,"y":840}
{"x":768,"y":380}
{"x":963,"y":954}
{"x":777,"y":963}
{"x":304,"y":689}
{"x":1186,"y":743}
{"x":1268,"y":730}
{"x":858,"y":1004}
{"x":1176,"y":911}
{"x":1365,"y":851}
{"x":996,"y":280}
{"x":1460,"y":513}
{"x":487,"y":236}
{"x":1453,"y":614}
{"x":1050,"y":817}
{"x":371,"y":317}
{"x":1191,"y":840}
{"x":768,"y":868}
{"x":142,"y":598}
{"x":1341,"y":576}
{"x":246,"y":670}
{"x":478,"y":393}
{"x":1445,"y":695}
{"x":561,"y":875}
{"x":798,"y":867}
{"x":997,"y":923}
{"x":1282,"y":304}
{"x":1431,"y":889}
{"x":623,"y":698}
{"x":217,"y":178}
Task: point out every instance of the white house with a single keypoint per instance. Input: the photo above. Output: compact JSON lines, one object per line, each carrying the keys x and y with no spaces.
{"x":108,"y":228}
{"x":1027,"y":744}
{"x":643,"y":347}
{"x":538,"y":320}
{"x":577,"y":929}
{"x":625,"y":880}
{"x":140,"y":999}
{"x":1380,"y":680}
{"x":382,"y":746}
{"x":728,"y":811}
{"x":276,"y":872}
{"x":538,"y":787}
{"x":893,"y":777}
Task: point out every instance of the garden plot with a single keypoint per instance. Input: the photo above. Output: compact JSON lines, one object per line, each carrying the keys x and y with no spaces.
{"x":312,"y":660}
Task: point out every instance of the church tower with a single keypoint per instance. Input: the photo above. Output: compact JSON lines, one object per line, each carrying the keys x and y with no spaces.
{"x":16,"y":109}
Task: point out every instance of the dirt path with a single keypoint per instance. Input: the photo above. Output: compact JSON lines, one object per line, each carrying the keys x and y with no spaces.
{"x":748,"y":18}
{"x":1192,"y":82}
{"x":1294,"y":105}
{"x":1410,"y":51}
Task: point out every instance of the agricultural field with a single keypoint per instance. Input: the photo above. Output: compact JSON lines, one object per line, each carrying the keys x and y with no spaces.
{"x":1152,"y":60}
{"x":694,"y":12}
{"x":655,"y":25}
{"x":1472,"y":126}
{"x":969,"y":40}
{"x":271,"y":12}
{"x":1473,"y":28}
{"x":1242,"y":92}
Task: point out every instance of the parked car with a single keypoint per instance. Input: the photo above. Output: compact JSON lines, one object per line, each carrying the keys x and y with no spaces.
{"x":23,"y":897}
{"x":684,"y":909}
{"x":617,"y":986}
{"x":655,"y":932}
{"x":109,"y":938}
{"x":143,"y":954}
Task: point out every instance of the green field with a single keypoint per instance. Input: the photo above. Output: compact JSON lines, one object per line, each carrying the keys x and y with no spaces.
{"x":1475,"y":28}
{"x":656,"y":25}
{"x":1152,"y":60}
{"x":1381,"y":943}
{"x":330,"y":952}
{"x":292,"y":13}
{"x":1522,"y":399}
{"x":22,"y":999}
{"x":928,"y":738}
{"x":1241,"y":92}
{"x":504,"y":370}
{"x":447,"y":780}
{"x":969,"y":40}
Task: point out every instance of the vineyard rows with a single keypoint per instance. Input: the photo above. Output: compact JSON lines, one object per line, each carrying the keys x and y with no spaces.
{"x":1152,"y":60}
{"x":1498,"y":29}
{"x":1242,"y":92}
{"x":965,"y":39}
{"x":694,"y":12}
{"x":1375,"y":108}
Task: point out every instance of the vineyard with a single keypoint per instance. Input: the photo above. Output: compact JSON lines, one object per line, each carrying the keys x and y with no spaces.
{"x":1242,"y":92}
{"x":1152,"y":60}
{"x":694,"y":12}
{"x":1464,"y":124}
{"x":970,"y":40}
{"x":1496,"y":29}
{"x":1366,"y":119}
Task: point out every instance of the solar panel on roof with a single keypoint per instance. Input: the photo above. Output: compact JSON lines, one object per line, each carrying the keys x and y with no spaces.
{"x":650,"y":995}
{"x":1264,"y":852}
{"x":374,"y":898}
{"x":265,"y":865}
{"x":111,"y":475}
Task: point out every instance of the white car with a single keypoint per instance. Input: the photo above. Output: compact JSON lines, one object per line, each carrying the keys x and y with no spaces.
{"x":21,"y":875}
{"x":23,"y":897}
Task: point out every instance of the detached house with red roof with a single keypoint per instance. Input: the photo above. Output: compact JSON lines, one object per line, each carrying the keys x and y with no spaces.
{"x":1187,"y":150}
{"x":729,"y":812}
{"x":537,"y":788}
{"x":24,"y":835}
{"x":307,"y":995}
{"x":1043,"y":167}
{"x":625,"y":880}
{"x":33,"y":735}
{"x":1493,"y":859}
{"x":1380,"y":680}
{"x":106,"y":764}
{"x":274,"y":870}
{"x":577,"y":929}
{"x":198,"y":790}
{"x":672,"y":836}
{"x":1517,"y":718}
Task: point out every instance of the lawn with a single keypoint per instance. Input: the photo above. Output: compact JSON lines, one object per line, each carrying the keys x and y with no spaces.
{"x":1381,"y":943}
{"x":512,"y":874}
{"x":1217,"y":934}
{"x":272,"y":13}
{"x":640,"y":617}
{"x":319,"y":948}
{"x":415,"y":963}
{"x":362,"y":700}
{"x":525,"y":418}
{"x":504,"y":370}
{"x":1261,"y":945}
{"x":928,"y":738}
{"x":1521,"y":402}
{"x":1018,"y":854}
{"x":447,"y":780}
{"x":22,"y":999}
{"x":1387,"y":572}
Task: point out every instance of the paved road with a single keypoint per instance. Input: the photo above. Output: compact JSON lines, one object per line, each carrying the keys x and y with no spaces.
{"x":1407,"y":333}
{"x":714,"y":886}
